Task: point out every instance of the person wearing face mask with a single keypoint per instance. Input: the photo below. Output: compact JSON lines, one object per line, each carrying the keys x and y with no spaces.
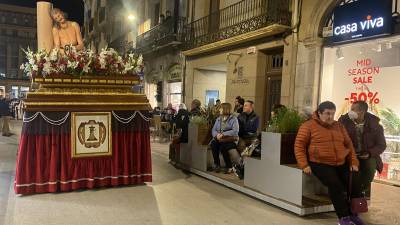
{"x":248,"y":125}
{"x":368,"y":140}
{"x":225,"y":135}
{"x":324,"y":148}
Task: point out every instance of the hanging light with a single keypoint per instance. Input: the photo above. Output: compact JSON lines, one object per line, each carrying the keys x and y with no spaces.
{"x":339,"y":54}
{"x":378,"y":48}
{"x":362,"y":50}
{"x":389,"y":45}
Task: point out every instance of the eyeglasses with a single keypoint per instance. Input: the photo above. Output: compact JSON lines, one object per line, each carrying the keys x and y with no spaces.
{"x":328,"y":113}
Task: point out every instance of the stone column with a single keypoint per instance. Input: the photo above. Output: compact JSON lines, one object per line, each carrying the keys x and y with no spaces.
{"x":44,"y":25}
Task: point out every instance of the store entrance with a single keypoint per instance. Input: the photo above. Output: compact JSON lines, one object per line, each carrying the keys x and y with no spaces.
{"x":273,"y":82}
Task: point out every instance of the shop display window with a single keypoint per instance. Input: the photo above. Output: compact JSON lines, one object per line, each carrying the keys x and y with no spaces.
{"x":368,"y":71}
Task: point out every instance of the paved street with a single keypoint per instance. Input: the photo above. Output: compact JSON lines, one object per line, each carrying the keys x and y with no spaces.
{"x":174,"y":198}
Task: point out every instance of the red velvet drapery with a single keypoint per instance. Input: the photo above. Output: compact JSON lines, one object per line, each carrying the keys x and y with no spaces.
{"x":44,"y":162}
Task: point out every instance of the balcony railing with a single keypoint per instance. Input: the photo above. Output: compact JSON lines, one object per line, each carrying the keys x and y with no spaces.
{"x":239,"y":18}
{"x":162,"y":35}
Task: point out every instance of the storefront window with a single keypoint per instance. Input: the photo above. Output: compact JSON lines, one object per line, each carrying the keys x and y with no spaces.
{"x":2,"y":91}
{"x":368,"y":71}
{"x":175,"y":94}
{"x":14,"y":92}
{"x":23,"y":92}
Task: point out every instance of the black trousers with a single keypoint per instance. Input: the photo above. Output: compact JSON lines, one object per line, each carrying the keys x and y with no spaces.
{"x":223,"y":148}
{"x":336,"y":178}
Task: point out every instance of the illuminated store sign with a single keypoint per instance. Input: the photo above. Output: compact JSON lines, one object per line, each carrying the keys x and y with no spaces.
{"x":361,"y":19}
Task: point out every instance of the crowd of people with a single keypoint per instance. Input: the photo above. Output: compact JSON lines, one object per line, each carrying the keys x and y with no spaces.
{"x":344,"y":155}
{"x":232,"y":128}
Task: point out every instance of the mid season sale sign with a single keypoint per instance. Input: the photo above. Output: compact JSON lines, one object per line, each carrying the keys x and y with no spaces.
{"x":368,"y":72}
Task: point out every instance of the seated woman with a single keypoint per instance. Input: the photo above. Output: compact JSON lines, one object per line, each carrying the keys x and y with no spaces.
{"x":324,"y":148}
{"x":225,"y":136}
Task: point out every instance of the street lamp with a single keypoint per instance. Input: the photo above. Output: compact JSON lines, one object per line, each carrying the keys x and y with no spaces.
{"x":131,"y":17}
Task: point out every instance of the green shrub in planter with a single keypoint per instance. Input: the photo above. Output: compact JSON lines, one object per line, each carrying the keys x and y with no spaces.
{"x":199,"y":120}
{"x":286,"y":121}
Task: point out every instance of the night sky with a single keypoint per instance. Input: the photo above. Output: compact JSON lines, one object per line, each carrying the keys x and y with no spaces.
{"x":74,"y":8}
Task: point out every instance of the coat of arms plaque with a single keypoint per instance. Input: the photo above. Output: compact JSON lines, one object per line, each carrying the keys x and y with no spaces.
{"x":91,"y":134}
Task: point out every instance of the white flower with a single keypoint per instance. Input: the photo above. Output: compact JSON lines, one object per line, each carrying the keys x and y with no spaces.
{"x":102,"y":63}
{"x":140,"y":60}
{"x":61,"y":68}
{"x":34,"y":67}
{"x":72,"y":64}
{"x":86,"y":68}
{"x":47,"y":68}
{"x":54,"y":55}
{"x":22,"y":67}
{"x":31,"y":61}
{"x":119,"y":59}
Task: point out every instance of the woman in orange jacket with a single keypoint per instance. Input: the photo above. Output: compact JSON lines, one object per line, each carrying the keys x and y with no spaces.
{"x":324,"y":148}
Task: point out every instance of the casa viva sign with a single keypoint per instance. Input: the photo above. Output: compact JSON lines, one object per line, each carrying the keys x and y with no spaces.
{"x":367,"y":24}
{"x":362,"y":19}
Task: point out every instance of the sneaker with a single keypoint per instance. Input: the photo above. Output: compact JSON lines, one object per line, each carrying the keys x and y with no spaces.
{"x":356,"y":220}
{"x":346,"y":221}
{"x":217,"y":169}
{"x":228,"y":170}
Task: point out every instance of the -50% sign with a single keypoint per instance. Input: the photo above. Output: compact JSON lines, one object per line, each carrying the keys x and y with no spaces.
{"x":371,"y":97}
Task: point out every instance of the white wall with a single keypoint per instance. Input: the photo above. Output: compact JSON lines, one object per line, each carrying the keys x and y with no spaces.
{"x":208,"y":80}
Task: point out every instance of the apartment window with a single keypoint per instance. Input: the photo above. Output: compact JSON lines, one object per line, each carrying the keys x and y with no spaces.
{"x":2,"y":58}
{"x":91,"y":21}
{"x":15,"y":21}
{"x":98,"y":4}
{"x":89,"y":14}
{"x":102,"y":14}
{"x":156,"y":14}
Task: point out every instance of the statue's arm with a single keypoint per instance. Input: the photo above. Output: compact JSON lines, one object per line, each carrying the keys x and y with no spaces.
{"x":78,"y":36}
{"x":56,"y":38}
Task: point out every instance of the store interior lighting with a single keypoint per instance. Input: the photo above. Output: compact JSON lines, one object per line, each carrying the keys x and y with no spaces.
{"x":362,"y":50}
{"x":388,"y":45}
{"x":378,"y":48}
{"x":339,"y":54}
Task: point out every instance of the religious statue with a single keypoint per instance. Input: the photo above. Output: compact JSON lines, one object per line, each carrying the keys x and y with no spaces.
{"x":65,"y":33}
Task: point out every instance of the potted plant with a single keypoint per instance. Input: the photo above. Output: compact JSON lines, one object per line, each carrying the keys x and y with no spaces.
{"x":203,"y":128}
{"x":286,"y":122}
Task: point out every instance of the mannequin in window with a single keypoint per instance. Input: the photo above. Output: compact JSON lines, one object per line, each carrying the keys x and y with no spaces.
{"x":65,"y":32}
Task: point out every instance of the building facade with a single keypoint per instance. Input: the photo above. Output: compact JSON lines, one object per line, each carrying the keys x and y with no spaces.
{"x":17,"y":32}
{"x":160,"y":40}
{"x":108,"y":23}
{"x":240,"y":48}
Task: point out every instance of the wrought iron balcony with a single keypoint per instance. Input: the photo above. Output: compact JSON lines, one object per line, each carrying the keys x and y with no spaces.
{"x":240,"y":18}
{"x":163,"y":35}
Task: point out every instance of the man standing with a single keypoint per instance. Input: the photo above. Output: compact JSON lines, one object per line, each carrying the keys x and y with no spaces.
{"x":239,"y":102}
{"x":248,"y":125}
{"x":5,"y":115}
{"x":368,"y":140}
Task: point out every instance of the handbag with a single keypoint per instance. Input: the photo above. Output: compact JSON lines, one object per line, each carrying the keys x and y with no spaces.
{"x":357,"y":205}
{"x":229,"y":139}
{"x":226,"y":138}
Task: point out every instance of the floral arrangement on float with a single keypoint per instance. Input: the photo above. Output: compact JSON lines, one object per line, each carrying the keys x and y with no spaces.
{"x":81,"y":63}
